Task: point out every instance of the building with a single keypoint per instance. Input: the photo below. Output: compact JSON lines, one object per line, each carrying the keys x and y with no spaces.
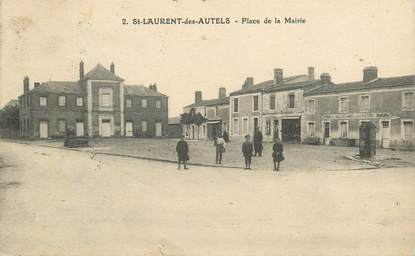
{"x":175,"y":129}
{"x":216,"y":112}
{"x":283,"y":107}
{"x":98,"y":104}
{"x":335,"y":111}
{"x":247,"y":104}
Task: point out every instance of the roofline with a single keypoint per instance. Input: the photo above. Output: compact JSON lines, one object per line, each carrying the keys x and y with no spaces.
{"x":390,"y":87}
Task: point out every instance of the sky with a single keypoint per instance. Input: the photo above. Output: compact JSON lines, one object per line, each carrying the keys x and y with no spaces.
{"x":46,"y":39}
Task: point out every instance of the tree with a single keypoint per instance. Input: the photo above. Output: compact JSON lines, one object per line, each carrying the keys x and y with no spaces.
{"x":9,"y":118}
{"x":198,"y":119}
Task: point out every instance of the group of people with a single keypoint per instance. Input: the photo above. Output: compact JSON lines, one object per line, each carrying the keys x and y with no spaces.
{"x":249,"y":150}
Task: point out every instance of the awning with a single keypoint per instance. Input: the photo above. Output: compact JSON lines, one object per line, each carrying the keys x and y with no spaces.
{"x":213,"y":121}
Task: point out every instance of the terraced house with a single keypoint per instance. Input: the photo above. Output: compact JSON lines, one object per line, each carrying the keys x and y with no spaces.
{"x":98,"y":104}
{"x":335,"y":111}
{"x":253,"y":106}
{"x":216,"y":112}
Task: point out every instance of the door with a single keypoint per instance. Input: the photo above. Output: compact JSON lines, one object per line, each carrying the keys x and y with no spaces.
{"x":129,"y":129}
{"x":158,"y":129}
{"x":386,"y":133}
{"x":276,"y":129}
{"x":43,"y":129}
{"x":106,"y":129}
{"x":79,"y":129}
{"x":256,"y":123}
{"x":326,"y":133}
{"x":291,"y":130}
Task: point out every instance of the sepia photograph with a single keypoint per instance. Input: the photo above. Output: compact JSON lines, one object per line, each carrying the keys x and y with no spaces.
{"x":207,"y":127}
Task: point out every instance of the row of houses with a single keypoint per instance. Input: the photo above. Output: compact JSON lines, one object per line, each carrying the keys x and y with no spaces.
{"x":303,"y":108}
{"x":99,"y":103}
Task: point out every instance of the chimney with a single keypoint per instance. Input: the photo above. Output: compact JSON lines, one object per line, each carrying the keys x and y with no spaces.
{"x":370,"y":73}
{"x":249,"y":82}
{"x":153,"y":87}
{"x":26,"y":85}
{"x":222,"y":92}
{"x":310,"y":73}
{"x":112,"y":68}
{"x":278,"y":75}
{"x":81,"y":70}
{"x":37,"y":84}
{"x":198,"y":96}
{"x":325,"y":78}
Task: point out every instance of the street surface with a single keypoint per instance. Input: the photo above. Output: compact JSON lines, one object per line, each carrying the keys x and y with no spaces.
{"x":62,"y":202}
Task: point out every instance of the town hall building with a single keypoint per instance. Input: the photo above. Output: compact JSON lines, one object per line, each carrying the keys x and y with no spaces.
{"x":99,"y":104}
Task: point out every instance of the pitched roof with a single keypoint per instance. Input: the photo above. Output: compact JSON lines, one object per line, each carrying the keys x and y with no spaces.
{"x":59,"y":87}
{"x":101,"y":73}
{"x":269,"y":83}
{"x":140,"y":90}
{"x":212,"y":102}
{"x":12,"y":103}
{"x":306,"y":85}
{"x":359,"y":85}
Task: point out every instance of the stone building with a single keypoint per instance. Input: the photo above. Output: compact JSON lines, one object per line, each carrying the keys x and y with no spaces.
{"x":216,"y":111}
{"x":98,"y":104}
{"x":247,"y":106}
{"x":333,"y":112}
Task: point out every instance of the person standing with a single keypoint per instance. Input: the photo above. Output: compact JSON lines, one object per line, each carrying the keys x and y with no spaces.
{"x":182,"y":150}
{"x":247,"y":150}
{"x":226,"y":136}
{"x":277,"y":154}
{"x":220,"y":148}
{"x":258,"y":142}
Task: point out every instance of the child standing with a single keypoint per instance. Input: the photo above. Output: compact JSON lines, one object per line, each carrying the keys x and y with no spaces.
{"x":247,"y":150}
{"x":277,"y":154}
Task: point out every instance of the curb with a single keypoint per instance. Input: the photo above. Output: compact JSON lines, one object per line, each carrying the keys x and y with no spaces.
{"x":123,"y":155}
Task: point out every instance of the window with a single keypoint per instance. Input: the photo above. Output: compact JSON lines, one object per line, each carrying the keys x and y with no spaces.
{"x":291,"y":101}
{"x":408,"y":101}
{"x":408,"y":130}
{"x":106,"y":100}
{"x":61,"y":125}
{"x":143,"y":126}
{"x":216,"y":110}
{"x":256,"y":103}
{"x":364,"y":103}
{"x":204,"y":111}
{"x":128,"y":103}
{"x":235,"y":126}
{"x":43,"y":101}
{"x":204,"y":130}
{"x":311,"y":129}
{"x":144,"y":103}
{"x":343,"y":105}
{"x":61,"y":101}
{"x":158,"y":104}
{"x":79,"y":101}
{"x":311,"y":106}
{"x":235,"y":105}
{"x":105,"y":97}
{"x":343,"y":129}
{"x":272,"y":102}
{"x":268,"y":127}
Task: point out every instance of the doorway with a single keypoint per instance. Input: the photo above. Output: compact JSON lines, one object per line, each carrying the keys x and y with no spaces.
{"x":79,"y":129}
{"x":326,"y":132}
{"x":158,"y":129}
{"x":43,"y":129}
{"x":386,"y":133}
{"x":291,"y":130}
{"x":129,"y":129}
{"x":106,"y":129}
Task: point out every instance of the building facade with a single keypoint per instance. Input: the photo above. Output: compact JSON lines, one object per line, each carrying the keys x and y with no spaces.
{"x":98,"y":104}
{"x":216,"y":113}
{"x":333,"y":113}
{"x":250,"y":106}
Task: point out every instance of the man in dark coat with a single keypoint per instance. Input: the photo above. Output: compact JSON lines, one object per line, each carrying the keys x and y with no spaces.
{"x":182,"y":150}
{"x":247,"y":149}
{"x":258,"y":142}
{"x":225,"y":136}
{"x":277,"y":155}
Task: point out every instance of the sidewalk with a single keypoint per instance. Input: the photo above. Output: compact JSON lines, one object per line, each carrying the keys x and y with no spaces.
{"x":298,"y":157}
